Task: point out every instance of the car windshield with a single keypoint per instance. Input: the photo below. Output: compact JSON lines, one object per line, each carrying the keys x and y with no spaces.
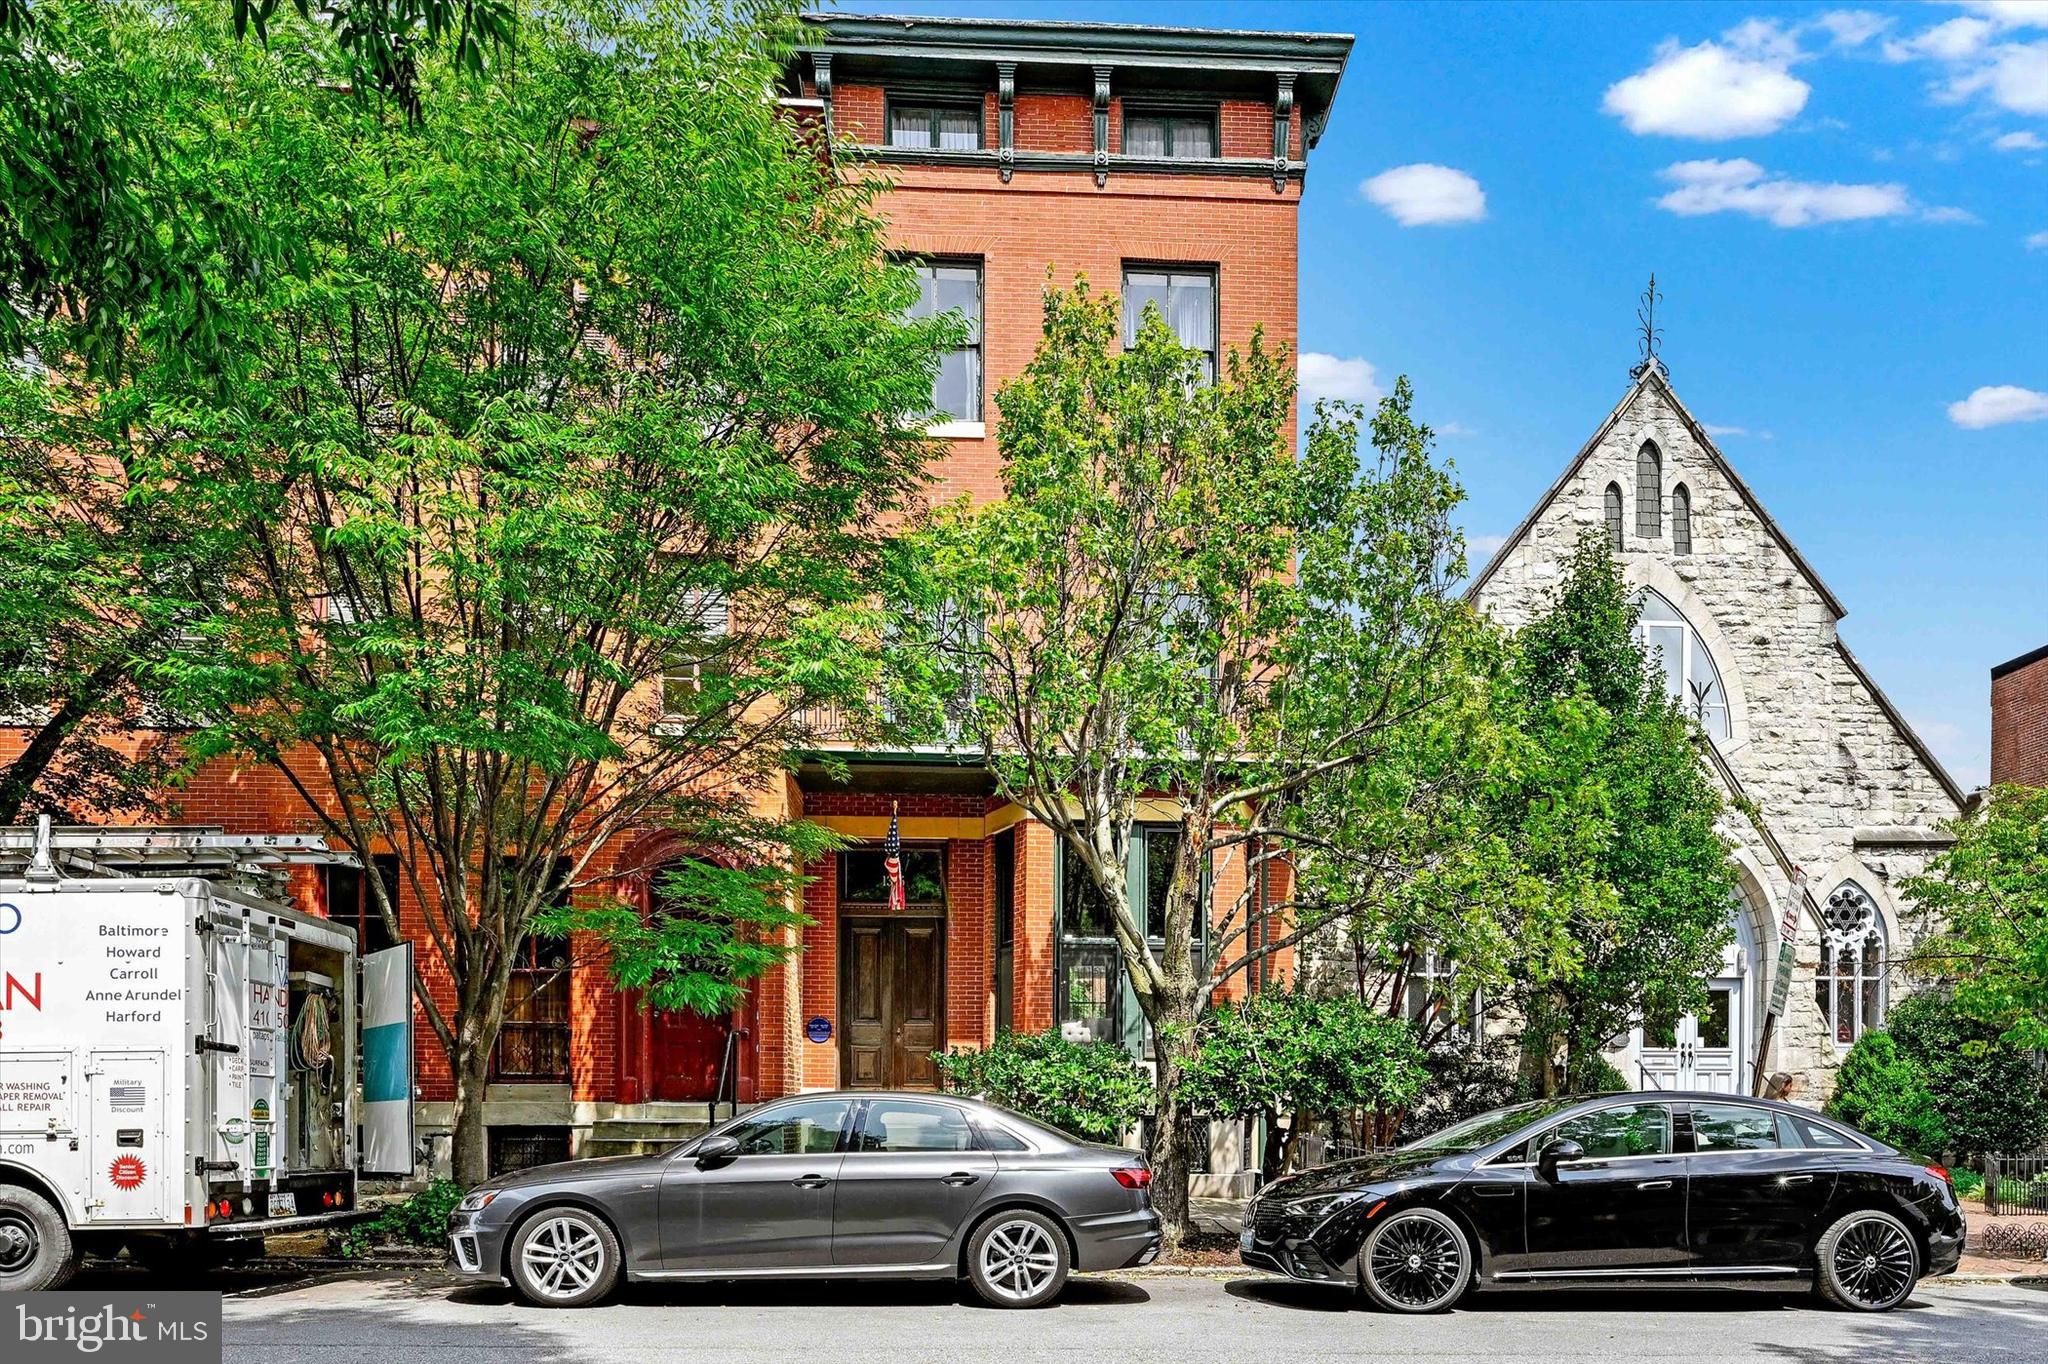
{"x":1490,"y":1127}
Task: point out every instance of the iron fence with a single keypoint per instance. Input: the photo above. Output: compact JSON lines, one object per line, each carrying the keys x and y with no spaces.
{"x":2015,"y":1185}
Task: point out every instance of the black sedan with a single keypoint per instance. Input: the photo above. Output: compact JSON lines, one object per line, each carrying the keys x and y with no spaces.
{"x":867,"y":1185}
{"x":1648,"y":1189}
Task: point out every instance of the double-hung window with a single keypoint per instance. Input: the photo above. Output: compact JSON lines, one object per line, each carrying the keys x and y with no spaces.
{"x":954,"y":287}
{"x":1186,"y":300}
{"x":1170,"y":135}
{"x":705,"y":622}
{"x":935,"y":127}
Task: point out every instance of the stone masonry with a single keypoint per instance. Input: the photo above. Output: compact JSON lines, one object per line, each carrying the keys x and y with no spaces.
{"x":1844,"y":789}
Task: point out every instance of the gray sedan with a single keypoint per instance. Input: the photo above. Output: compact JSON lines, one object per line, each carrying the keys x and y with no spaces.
{"x":846,"y":1185}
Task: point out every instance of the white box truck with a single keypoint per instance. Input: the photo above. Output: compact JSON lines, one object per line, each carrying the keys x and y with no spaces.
{"x":184,"y":1064}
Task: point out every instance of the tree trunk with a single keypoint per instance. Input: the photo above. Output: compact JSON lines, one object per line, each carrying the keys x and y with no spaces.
{"x":1172,"y":1151}
{"x":469,"y":1151}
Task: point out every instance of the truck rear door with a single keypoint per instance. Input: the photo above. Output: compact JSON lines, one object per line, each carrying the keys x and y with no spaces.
{"x":387,"y":1147}
{"x":129,"y":1178}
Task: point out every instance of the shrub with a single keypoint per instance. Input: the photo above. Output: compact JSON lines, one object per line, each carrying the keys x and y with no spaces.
{"x":1969,"y":1184}
{"x":1881,"y":1091}
{"x":1090,"y":1089}
{"x":1593,"y":1073}
{"x":1307,"y":1056}
{"x":1988,"y":1092}
{"x":1463,"y":1083}
{"x":2016,"y":1240}
{"x":421,"y":1220}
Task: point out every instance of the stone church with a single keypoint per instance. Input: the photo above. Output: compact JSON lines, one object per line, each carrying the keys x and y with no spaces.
{"x":1848,"y":800}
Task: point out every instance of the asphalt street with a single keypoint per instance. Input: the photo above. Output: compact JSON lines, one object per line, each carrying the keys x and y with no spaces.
{"x":401,"y":1318}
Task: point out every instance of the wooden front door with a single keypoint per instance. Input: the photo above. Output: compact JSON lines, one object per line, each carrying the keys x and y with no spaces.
{"x":688,"y":1049}
{"x":892,"y":993}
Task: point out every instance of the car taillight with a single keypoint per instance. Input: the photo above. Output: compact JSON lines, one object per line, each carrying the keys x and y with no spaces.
{"x":1132,"y":1176}
{"x":1940,"y":1172}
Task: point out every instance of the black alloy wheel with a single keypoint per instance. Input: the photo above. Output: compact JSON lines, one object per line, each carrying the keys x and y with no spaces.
{"x":1416,"y":1261}
{"x":1868,"y":1262}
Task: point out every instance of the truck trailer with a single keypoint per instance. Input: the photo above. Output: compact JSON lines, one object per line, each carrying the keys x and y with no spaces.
{"x":184,"y":1062}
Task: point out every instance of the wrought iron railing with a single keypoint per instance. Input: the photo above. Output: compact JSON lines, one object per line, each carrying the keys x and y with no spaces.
{"x":2015,"y":1185}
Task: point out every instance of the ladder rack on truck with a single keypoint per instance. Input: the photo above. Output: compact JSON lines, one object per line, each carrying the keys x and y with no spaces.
{"x":184,"y":1066}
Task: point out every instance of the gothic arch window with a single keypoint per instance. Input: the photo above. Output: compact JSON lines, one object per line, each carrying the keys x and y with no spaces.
{"x":1649,"y":492}
{"x":1614,"y":517}
{"x":1680,"y":655}
{"x":1850,"y":982}
{"x":1681,"y":520}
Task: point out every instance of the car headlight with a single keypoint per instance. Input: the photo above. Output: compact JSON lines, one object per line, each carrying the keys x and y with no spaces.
{"x":1319,"y":1206}
{"x":477,"y":1200}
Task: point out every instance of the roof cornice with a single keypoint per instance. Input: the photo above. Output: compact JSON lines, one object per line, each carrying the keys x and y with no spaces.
{"x":1044,"y":40}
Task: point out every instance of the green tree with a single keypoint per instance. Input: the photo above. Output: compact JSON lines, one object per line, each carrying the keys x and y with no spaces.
{"x":1090,"y":1089}
{"x":1304,"y":1056}
{"x":1616,"y":798}
{"x":1169,"y":600}
{"x":1882,"y":1091}
{"x":563,"y":443}
{"x":1985,"y":903}
{"x":1990,"y":1095}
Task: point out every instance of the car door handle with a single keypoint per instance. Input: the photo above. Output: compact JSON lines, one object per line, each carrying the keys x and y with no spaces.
{"x":810,"y":1181}
{"x":959,"y":1179}
{"x":1797,"y":1179}
{"x":1494,"y":1190}
{"x":1654,"y":1184}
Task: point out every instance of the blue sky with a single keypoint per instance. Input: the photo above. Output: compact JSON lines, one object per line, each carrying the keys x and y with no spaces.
{"x":1846,"y":209}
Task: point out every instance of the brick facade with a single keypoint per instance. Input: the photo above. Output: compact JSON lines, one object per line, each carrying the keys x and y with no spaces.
{"x":2019,"y":721}
{"x":1060,"y":212}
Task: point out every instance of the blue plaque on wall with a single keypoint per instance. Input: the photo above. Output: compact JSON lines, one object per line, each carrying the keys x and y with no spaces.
{"x":819,"y":1029}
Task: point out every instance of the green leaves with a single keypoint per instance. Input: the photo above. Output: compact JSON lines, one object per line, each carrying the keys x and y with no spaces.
{"x":1092,"y":1090}
{"x":1285,"y":1052}
{"x":1985,"y":901}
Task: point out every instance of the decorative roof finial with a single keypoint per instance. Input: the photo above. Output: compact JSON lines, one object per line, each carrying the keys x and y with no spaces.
{"x":1649,"y":335}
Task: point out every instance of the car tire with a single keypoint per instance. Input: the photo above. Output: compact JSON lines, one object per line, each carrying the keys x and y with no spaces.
{"x":1414,"y":1262}
{"x":1866,"y":1262}
{"x":564,"y":1257}
{"x":36,"y":1249}
{"x":1018,"y":1258}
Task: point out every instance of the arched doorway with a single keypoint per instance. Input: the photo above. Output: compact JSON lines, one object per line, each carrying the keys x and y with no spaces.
{"x":679,"y":1055}
{"x":1707,"y":1050}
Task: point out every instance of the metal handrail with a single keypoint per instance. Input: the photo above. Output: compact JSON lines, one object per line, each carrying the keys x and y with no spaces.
{"x":727,"y":1071}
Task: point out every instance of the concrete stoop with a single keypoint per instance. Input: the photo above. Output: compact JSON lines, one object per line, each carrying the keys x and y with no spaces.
{"x":653,"y":1127}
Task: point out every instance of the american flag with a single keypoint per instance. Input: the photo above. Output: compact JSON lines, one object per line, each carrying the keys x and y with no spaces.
{"x":892,"y":861}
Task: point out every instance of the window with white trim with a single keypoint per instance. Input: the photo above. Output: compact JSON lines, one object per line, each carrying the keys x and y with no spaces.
{"x":1850,"y":983}
{"x":1186,"y":300}
{"x":707,"y":616}
{"x":1433,"y":998}
{"x":1680,"y":655}
{"x":954,"y":286}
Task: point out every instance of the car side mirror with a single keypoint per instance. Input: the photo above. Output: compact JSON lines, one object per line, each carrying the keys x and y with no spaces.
{"x":1557,"y":1152}
{"x":712,"y":1150}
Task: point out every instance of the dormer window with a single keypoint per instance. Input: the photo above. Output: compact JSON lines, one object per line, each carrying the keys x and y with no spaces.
{"x":1170,"y":136}
{"x":935,"y":127}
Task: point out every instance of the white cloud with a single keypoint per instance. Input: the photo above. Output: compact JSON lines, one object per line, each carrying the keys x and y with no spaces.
{"x":1349,"y":379}
{"x":1949,"y":213}
{"x":1719,"y":431}
{"x":1998,"y":404}
{"x":1710,"y":91}
{"x":1425,"y":195}
{"x":1454,"y":429}
{"x":1742,"y":186}
{"x":1985,"y":53}
{"x":1480,"y":548}
{"x":1852,"y":27}
{"x":2037,"y":242}
{"x":2020,"y":142}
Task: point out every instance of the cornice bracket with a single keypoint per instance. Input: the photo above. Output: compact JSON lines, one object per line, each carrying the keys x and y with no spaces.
{"x":1283,"y":111}
{"x":821,"y":68}
{"x":1006,"y":120}
{"x":1102,"y":126}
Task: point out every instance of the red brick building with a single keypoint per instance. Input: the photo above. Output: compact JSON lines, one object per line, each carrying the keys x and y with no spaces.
{"x":2019,"y":720}
{"x":1165,"y":163}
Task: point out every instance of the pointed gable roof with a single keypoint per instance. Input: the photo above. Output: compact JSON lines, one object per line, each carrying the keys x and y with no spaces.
{"x":1653,"y":377}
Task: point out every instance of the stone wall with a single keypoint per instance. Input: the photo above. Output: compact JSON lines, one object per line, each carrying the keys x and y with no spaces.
{"x":1835,"y":776}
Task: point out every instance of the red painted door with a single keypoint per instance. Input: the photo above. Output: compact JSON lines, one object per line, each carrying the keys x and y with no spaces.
{"x":687,"y":1050}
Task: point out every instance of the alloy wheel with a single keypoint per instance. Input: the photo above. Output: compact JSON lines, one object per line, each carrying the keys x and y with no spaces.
{"x":18,"y":1241}
{"x":1018,"y":1259}
{"x":1417,"y":1263}
{"x":1873,"y":1262}
{"x":563,"y":1257}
